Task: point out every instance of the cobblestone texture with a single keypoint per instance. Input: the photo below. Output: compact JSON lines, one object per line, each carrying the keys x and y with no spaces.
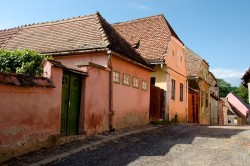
{"x":187,"y":144}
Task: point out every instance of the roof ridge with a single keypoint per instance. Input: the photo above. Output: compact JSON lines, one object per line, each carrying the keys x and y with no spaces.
{"x":6,"y":29}
{"x":98,"y":19}
{"x":49,"y":22}
{"x":139,"y":19}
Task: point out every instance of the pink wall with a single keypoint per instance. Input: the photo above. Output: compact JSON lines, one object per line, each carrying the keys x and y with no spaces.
{"x":95,"y":101}
{"x":94,"y":113}
{"x":70,"y":61}
{"x":130,"y":104}
{"x":236,"y":103}
{"x":29,"y":117}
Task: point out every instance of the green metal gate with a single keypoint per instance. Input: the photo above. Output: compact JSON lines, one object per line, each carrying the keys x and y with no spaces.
{"x":71,"y":97}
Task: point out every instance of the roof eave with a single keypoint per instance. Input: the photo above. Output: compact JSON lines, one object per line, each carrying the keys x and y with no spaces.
{"x":72,"y":52}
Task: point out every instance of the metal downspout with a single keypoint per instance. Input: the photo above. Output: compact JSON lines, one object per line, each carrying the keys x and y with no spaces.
{"x":111,"y":112}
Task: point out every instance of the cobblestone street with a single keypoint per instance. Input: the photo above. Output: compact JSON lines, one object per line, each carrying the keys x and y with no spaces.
{"x":187,"y":144}
{"x":176,"y":145}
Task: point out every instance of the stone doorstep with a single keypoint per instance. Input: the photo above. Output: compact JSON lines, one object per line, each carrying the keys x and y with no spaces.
{"x":67,"y":139}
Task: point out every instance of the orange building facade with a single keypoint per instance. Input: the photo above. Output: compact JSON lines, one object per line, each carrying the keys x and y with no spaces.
{"x":156,"y":41}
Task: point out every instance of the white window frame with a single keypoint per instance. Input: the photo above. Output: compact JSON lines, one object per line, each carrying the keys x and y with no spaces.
{"x":116,"y":77}
{"x":144,"y":85}
{"x":126,"y":79}
{"x":136,"y":82}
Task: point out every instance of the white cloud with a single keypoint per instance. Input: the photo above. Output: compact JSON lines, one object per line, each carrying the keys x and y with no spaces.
{"x":139,"y":6}
{"x":227,"y":73}
{"x":230,"y":75}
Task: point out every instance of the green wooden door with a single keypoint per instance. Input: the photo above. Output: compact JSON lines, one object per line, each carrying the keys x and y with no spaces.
{"x":71,"y":96}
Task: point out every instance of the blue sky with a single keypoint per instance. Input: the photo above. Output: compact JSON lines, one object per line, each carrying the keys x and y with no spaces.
{"x":218,"y":30}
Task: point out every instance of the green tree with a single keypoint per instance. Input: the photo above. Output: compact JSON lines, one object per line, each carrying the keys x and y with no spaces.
{"x":225,"y":87}
{"x":242,"y":92}
{"x":22,"y":61}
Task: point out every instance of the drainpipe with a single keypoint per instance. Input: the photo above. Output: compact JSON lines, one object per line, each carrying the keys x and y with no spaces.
{"x":111,"y":112}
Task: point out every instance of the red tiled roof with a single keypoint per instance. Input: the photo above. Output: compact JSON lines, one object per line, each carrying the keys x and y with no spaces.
{"x":151,"y":34}
{"x":75,"y":34}
{"x":5,"y":35}
{"x":24,"y":80}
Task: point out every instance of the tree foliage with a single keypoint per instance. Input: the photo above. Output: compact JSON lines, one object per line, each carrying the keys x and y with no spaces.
{"x":242,"y":92}
{"x":22,"y":61}
{"x":226,"y":88}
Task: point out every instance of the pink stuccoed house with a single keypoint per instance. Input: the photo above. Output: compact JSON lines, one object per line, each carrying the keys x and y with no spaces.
{"x":240,"y":108}
{"x":100,"y":83}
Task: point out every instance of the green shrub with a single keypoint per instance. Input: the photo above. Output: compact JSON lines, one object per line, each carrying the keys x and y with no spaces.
{"x":22,"y":61}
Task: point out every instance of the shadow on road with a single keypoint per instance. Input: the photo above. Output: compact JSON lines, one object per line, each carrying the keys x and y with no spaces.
{"x":157,"y":142}
{"x":124,"y":150}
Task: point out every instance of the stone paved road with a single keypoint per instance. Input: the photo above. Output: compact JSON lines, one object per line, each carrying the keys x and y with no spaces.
{"x":187,"y":144}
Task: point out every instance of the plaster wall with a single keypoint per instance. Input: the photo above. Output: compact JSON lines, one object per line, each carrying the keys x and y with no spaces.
{"x":177,"y":70}
{"x":30,"y":117}
{"x":95,"y":101}
{"x":204,"y":106}
{"x":70,"y":61}
{"x":214,"y":111}
{"x":130,"y":104}
{"x":160,"y":77}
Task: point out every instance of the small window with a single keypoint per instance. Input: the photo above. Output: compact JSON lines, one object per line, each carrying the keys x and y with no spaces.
{"x":144,"y":85}
{"x":173,"y":52}
{"x":181,"y":92}
{"x":136,"y":82}
{"x":172,"y":89}
{"x":116,"y":77}
{"x":126,"y":79}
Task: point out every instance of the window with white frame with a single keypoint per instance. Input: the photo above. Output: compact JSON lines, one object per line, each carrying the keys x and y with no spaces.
{"x":126,"y":79}
{"x":116,"y":77}
{"x":144,"y":85}
{"x":136,"y":82}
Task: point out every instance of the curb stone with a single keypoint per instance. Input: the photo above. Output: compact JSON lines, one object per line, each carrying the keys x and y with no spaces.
{"x":86,"y":147}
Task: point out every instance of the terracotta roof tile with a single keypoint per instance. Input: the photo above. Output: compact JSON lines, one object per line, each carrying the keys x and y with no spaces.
{"x":24,"y":80}
{"x":71,"y":34}
{"x":5,"y":35}
{"x":151,"y":34}
{"x":79,"y":33}
{"x":193,"y":62}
